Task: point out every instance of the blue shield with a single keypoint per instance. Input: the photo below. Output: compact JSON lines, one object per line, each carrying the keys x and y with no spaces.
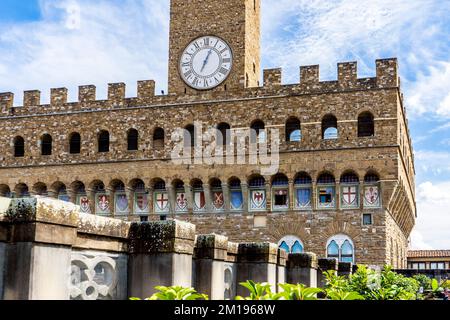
{"x":236,"y":200}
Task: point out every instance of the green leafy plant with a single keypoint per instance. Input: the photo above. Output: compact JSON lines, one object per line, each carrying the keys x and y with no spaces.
{"x":258,"y":291}
{"x":299,"y":292}
{"x":423,"y":280}
{"x":370,"y":284}
{"x":175,"y":293}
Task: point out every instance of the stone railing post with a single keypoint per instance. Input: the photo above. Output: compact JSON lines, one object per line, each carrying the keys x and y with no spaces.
{"x":208,"y":273}
{"x":302,"y":269}
{"x":281,"y":267}
{"x":345,"y":268}
{"x":160,"y":254}
{"x":257,"y":262}
{"x":38,"y":260}
{"x":324,"y":266}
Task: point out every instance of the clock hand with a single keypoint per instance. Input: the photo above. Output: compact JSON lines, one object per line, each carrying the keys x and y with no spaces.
{"x":206,"y":60}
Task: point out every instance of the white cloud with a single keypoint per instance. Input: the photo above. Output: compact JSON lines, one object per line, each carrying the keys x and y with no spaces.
{"x":433,"y":223}
{"x":432,"y":163}
{"x":86,"y":42}
{"x":430,"y":93}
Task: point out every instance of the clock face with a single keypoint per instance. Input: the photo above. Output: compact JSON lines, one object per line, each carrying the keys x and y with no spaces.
{"x":206,"y":62}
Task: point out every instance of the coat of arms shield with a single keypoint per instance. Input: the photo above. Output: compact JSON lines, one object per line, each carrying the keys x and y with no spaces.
{"x":141,"y":203}
{"x":258,"y":199}
{"x":121,"y":203}
{"x":182,"y":202}
{"x":103,"y":203}
{"x":371,"y":196}
{"x":349,"y":195}
{"x":84,"y":204}
{"x":218,"y":200}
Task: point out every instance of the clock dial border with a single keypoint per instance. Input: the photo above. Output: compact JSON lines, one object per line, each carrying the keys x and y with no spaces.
{"x":180,"y":71}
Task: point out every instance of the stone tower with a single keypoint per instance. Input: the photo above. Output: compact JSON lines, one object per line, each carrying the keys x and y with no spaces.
{"x":237,"y":22}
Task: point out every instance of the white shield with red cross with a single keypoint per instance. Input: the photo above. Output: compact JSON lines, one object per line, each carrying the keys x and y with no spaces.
{"x":161,"y":202}
{"x":350,"y":195}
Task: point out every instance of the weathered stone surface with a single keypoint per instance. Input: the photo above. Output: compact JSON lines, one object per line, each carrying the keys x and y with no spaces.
{"x":162,"y":237}
{"x":302,"y":260}
{"x":258,"y":252}
{"x":211,"y":247}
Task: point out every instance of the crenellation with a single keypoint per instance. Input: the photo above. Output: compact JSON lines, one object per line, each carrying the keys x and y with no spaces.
{"x":86,"y":94}
{"x":272,"y":77}
{"x":387,"y":73}
{"x":347,"y":74}
{"x":32,"y":98}
{"x":6,"y":102}
{"x":146,"y":90}
{"x":116,"y":94}
{"x":309,"y":74}
{"x":58,"y":96}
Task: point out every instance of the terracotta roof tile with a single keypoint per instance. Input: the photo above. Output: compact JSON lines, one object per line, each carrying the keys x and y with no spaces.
{"x":428,"y":253}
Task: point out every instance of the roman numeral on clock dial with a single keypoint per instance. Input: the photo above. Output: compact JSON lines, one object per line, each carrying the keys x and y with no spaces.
{"x":206,"y":62}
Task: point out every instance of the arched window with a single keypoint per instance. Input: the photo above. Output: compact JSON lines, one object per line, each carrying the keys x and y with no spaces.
{"x":366,"y":126}
{"x":158,"y":138}
{"x":291,"y":244}
{"x":341,"y":247}
{"x":236,"y":197}
{"x":5,"y":191}
{"x":372,"y":191}
{"x":189,"y":136}
{"x":329,"y":128}
{"x":21,"y":191}
{"x":19,"y":147}
{"x":141,"y":201}
{"x":46,"y":145}
{"x":293,"y":131}
{"x":257,"y":194}
{"x":133,"y":140}
{"x":103,"y":142}
{"x":225,"y":135}
{"x":350,"y":190}
{"x":121,"y":204}
{"x":258,"y":132}
{"x":217,"y":194}
{"x":280,"y":192}
{"x":326,"y":191}
{"x":161,"y":197}
{"x":75,"y":143}
{"x":303,"y":191}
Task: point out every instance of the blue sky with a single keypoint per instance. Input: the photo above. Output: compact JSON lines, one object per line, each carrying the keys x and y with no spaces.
{"x":66,"y":43}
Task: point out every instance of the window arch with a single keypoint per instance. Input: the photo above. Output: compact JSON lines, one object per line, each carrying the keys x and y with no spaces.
{"x":40,"y":189}
{"x":303,"y":191}
{"x":326,"y":191}
{"x":158,"y":138}
{"x":372,"y":190}
{"x":236,"y":196}
{"x":280,"y":192}
{"x":46,"y":145}
{"x":291,"y":244}
{"x":161,"y":203}
{"x":225,"y":135}
{"x":293,"y":130}
{"x":257,"y":193}
{"x":350,"y":190}
{"x":342,"y":248}
{"x":21,"y":191}
{"x":258,"y":132}
{"x":366,"y":125}
{"x":329,"y":127}
{"x":103,"y":142}
{"x":75,"y":143}
{"x":5,"y":191}
{"x":133,"y":140}
{"x":19,"y":147}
